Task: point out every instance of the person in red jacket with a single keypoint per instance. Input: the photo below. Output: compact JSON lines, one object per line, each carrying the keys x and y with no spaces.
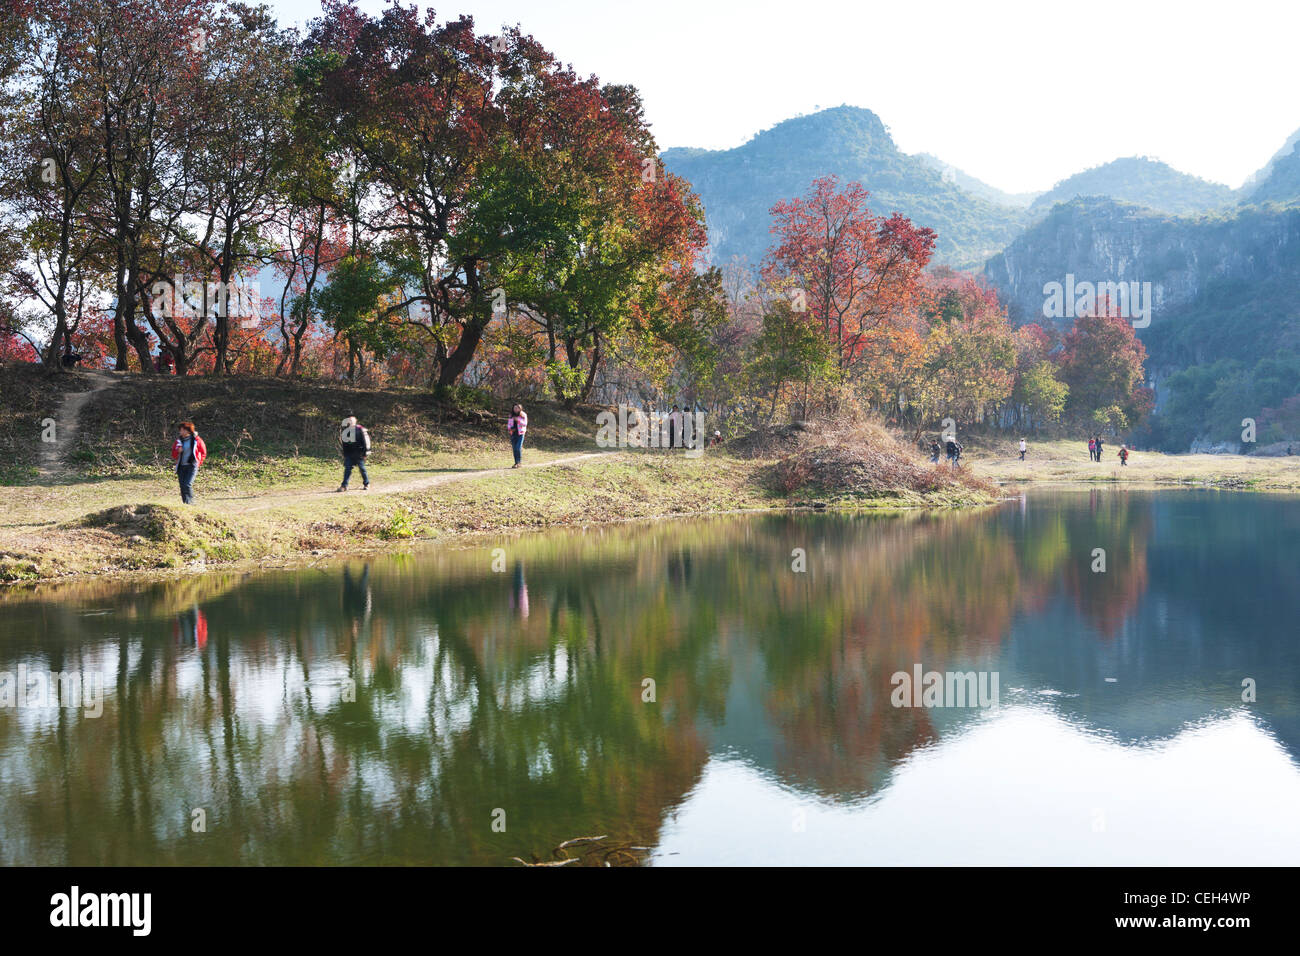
{"x":188,"y":452}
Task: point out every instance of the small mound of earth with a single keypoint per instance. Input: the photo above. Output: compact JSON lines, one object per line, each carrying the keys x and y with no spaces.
{"x":156,"y":523}
{"x":857,"y":472}
{"x":773,"y":441}
{"x":850,"y":458}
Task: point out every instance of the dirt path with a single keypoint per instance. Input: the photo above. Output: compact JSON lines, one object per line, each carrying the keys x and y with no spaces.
{"x":263,"y":502}
{"x":66,"y":418}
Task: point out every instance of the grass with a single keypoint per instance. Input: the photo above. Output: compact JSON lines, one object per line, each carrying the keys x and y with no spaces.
{"x":1068,"y":462}
{"x":439,"y":471}
{"x":83,"y":528}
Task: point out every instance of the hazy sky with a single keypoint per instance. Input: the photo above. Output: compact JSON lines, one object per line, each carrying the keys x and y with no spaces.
{"x":1019,"y":94}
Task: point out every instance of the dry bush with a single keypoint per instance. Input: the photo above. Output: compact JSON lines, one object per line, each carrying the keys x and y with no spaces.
{"x":854,"y":457}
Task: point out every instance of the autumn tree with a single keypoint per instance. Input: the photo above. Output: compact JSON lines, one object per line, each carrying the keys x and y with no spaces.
{"x":50,"y":170}
{"x":232,"y":170}
{"x":853,"y":271}
{"x":1101,"y":362}
{"x":970,"y":351}
{"x":1038,"y":396}
{"x":314,"y":226}
{"x":620,"y":240}
{"x":435,"y":116}
{"x":791,"y":356}
{"x":138,"y":54}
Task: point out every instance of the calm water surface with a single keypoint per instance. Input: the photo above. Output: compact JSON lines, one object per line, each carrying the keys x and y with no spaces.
{"x":389,"y":710}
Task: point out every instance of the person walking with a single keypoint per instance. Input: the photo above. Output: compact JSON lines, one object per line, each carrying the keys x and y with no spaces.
{"x":1023,"y":448}
{"x":934,"y":451}
{"x":1092,"y":449}
{"x":355,"y":443}
{"x":1099,"y":447}
{"x":517,"y":425}
{"x":188,"y":451}
{"x":674,"y":427}
{"x":1123,"y":455}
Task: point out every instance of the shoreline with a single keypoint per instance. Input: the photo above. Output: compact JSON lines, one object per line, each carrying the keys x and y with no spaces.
{"x":464,"y":538}
{"x":152,"y":540}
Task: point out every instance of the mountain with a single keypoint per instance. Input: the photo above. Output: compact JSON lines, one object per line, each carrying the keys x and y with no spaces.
{"x":1143,"y":182}
{"x":1257,"y":178}
{"x":1218,"y":284}
{"x":1280,"y":181}
{"x":1222,"y":265}
{"x":977,"y":187}
{"x":739,"y":186}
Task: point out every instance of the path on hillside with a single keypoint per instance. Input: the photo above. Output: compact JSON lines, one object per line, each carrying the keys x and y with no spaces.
{"x":53,"y":466}
{"x":378,"y":486}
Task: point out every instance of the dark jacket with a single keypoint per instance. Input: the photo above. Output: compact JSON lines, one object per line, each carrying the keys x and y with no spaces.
{"x":355,"y":441}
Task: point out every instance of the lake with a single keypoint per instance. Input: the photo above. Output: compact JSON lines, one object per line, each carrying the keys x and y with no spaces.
{"x":737,"y":690}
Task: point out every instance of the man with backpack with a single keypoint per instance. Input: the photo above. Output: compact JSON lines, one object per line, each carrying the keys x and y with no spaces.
{"x":355,"y":443}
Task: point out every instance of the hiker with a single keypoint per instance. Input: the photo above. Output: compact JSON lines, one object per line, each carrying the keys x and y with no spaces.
{"x":716,"y":439}
{"x":1092,"y":449}
{"x":953,"y":451}
{"x":1099,"y":444}
{"x":70,"y":360}
{"x":1023,"y":448}
{"x":674,"y":427}
{"x":1123,"y":454}
{"x":355,"y":443}
{"x":188,"y":452}
{"x":934,"y":451}
{"x":517,"y":424}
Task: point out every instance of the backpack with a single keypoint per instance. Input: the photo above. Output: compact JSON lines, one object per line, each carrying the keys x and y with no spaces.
{"x":358,"y":443}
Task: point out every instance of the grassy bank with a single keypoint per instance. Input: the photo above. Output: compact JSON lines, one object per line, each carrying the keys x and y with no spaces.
{"x":439,"y":470}
{"x":1068,"y":462}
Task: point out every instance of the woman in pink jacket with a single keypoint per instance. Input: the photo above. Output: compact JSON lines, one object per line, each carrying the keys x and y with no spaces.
{"x":188,"y":451}
{"x":517,"y":424}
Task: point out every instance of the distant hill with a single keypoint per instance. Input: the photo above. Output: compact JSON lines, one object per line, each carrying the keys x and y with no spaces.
{"x":1144,"y":182}
{"x":1223,"y":264}
{"x":739,"y":186}
{"x":977,"y":187}
{"x":1257,"y":179}
{"x":1219,"y":284}
{"x":1223,"y":289}
{"x":1281,"y":184}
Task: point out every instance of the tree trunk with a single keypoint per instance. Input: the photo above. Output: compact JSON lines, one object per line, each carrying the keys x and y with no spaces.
{"x":591,"y":371}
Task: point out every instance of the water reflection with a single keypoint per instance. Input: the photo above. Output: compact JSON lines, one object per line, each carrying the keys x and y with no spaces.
{"x":383,"y":711}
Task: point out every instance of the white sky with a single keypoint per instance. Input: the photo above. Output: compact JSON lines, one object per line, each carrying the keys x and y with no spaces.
{"x":1019,"y":93}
